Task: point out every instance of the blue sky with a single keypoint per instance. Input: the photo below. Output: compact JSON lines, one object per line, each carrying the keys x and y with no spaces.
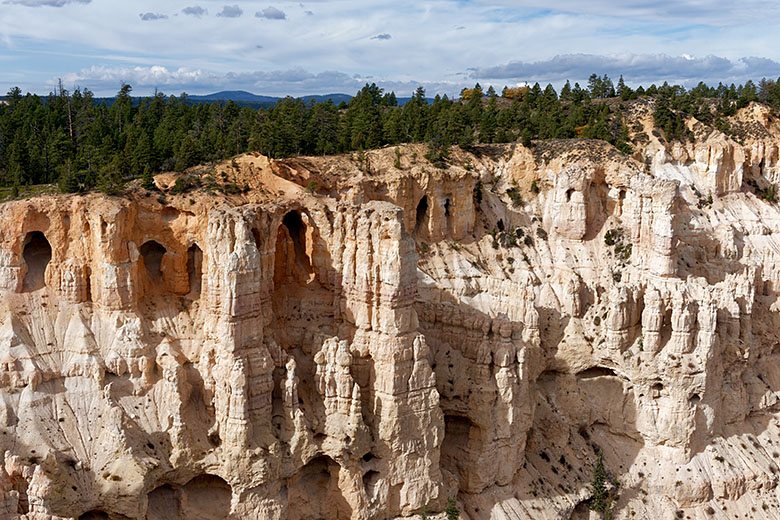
{"x":312,"y":47}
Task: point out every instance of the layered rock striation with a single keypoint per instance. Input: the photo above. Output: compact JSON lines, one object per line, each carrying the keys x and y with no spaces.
{"x":360,"y":340}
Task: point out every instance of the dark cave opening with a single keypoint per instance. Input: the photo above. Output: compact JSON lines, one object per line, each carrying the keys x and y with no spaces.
{"x":195,"y":269}
{"x":422,"y":214}
{"x":152,"y":253}
{"x":36,"y":255}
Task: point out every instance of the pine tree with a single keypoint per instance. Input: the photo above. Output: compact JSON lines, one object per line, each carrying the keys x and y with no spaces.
{"x":566,"y":91}
{"x":147,"y":179}
{"x":110,"y":177}
{"x":187,"y":153}
{"x":452,"y":511}
{"x":466,"y":139}
{"x":526,"y":137}
{"x":600,"y":500}
{"x":623,"y":90}
{"x":19,"y":160}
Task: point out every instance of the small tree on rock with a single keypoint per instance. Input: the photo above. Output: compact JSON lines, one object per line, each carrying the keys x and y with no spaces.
{"x":600,"y":501}
{"x":452,"y":511}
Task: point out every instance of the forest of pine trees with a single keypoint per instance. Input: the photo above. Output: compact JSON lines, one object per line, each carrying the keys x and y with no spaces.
{"x":70,"y":139}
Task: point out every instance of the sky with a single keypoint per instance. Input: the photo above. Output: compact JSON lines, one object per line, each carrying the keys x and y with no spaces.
{"x":282,"y":48}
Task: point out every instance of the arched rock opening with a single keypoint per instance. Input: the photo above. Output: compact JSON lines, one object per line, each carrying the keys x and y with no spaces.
{"x":301,"y":303}
{"x":462,"y":443}
{"x":296,"y":230}
{"x":421,"y":222}
{"x":163,"y":503}
{"x":152,"y":253}
{"x":313,"y":492}
{"x":370,"y":483}
{"x":206,"y":497}
{"x":195,"y":269}
{"x":36,"y":255}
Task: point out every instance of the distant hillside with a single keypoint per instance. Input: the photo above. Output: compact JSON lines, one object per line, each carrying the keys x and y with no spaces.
{"x":233,"y":95}
{"x":244,"y":98}
{"x":247,"y":99}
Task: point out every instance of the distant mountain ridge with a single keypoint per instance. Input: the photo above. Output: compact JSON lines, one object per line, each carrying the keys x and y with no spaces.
{"x":248,"y":97}
{"x":244,"y":98}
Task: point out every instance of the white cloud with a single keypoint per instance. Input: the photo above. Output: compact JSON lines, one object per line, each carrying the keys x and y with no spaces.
{"x":272,"y":13}
{"x":140,"y":76}
{"x":708,"y":12}
{"x":295,"y":81}
{"x":231,"y":11}
{"x":431,"y":41}
{"x":194,"y":10}
{"x":47,"y":3}
{"x":147,"y":17}
{"x":636,"y":68}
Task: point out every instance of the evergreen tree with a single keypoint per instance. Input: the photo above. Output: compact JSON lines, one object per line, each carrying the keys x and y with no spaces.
{"x":19,"y":160}
{"x":488,"y":124}
{"x":526,"y":137}
{"x":187,"y":153}
{"x":110,"y":177}
{"x":452,"y":511}
{"x":147,"y":179}
{"x":600,"y":500}
{"x":69,"y":180}
{"x":623,"y":90}
{"x":566,"y":91}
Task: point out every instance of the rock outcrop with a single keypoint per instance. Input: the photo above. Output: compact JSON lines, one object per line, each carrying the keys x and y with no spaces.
{"x":359,"y":340}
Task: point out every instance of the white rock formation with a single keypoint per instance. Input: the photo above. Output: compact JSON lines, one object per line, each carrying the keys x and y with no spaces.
{"x":406,"y":336}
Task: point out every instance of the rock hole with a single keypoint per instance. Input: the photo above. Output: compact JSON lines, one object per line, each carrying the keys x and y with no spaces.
{"x":568,"y":194}
{"x":297,"y":231}
{"x":462,"y":443}
{"x":94,"y":515}
{"x":163,"y":504}
{"x":448,"y":215}
{"x":152,"y":253}
{"x":316,"y":484}
{"x":422,"y":214}
{"x":195,"y":269}
{"x":596,"y":372}
{"x":694,"y":399}
{"x":206,"y":497}
{"x":666,"y":327}
{"x":368,"y":456}
{"x":370,"y":481}
{"x":169,"y":214}
{"x":88,"y":284}
{"x":36,"y":255}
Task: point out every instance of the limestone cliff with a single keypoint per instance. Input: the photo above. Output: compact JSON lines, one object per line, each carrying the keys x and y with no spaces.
{"x":365,"y":339}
